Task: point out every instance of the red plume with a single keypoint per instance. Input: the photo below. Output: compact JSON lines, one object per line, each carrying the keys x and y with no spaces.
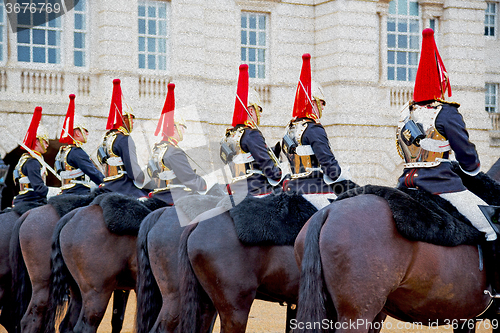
{"x":30,"y":137}
{"x":302,"y":106}
{"x":67,"y":131}
{"x":240,"y":106}
{"x":432,"y":80}
{"x":166,"y":122}
{"x":115,"y":118}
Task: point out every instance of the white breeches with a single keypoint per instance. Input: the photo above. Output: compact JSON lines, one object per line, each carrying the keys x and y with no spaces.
{"x":320,"y":200}
{"x":467,"y":203}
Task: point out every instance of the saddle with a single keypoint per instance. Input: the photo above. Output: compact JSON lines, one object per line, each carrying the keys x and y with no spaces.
{"x":23,"y":207}
{"x":123,"y":214}
{"x":273,"y":220}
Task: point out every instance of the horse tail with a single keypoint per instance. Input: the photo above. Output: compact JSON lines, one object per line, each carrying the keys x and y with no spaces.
{"x":61,"y":280}
{"x":312,"y":295}
{"x":21,"y":284}
{"x":193,"y":298}
{"x":149,"y":299}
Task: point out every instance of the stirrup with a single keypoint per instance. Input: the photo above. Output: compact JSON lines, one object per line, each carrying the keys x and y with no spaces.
{"x":487,"y":292}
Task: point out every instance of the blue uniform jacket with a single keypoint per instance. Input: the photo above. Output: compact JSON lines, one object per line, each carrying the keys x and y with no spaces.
{"x":253,"y":142}
{"x":32,"y":168}
{"x":176,"y":160}
{"x":79,"y":159}
{"x":441,"y":179}
{"x":124,"y":147}
{"x":315,"y":136}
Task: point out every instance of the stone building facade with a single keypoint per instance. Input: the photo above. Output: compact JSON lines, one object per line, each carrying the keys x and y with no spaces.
{"x":361,"y":55}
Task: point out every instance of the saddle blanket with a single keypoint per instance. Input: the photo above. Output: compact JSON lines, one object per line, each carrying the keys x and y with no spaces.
{"x":275,"y":219}
{"x":421,"y":216}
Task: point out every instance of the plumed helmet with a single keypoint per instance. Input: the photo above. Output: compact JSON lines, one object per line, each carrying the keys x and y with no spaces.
{"x":42,"y":134}
{"x":32,"y":133}
{"x":303,"y":106}
{"x":431,"y":82}
{"x":317,"y":91}
{"x":318,"y":96}
{"x":165,"y":126}
{"x":80,"y":123}
{"x":179,"y":122}
{"x":254,"y":100}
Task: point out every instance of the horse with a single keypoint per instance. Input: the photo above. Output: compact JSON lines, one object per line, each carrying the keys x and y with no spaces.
{"x":355,"y":264}
{"x":7,"y":309}
{"x":216,"y":267}
{"x":89,"y":258}
{"x":30,"y":257}
{"x":158,"y":299}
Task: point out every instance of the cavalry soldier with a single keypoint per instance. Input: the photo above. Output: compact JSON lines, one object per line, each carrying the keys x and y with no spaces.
{"x":30,"y":171}
{"x":252,"y":163}
{"x":428,"y":130}
{"x":117,"y":152}
{"x":174,"y":175}
{"x":314,"y":167}
{"x":72,"y":162}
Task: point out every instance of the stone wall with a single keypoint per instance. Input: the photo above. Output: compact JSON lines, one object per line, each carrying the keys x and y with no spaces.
{"x":346,"y":39}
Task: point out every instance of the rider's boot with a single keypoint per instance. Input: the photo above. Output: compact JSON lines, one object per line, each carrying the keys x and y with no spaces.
{"x":491,"y":253}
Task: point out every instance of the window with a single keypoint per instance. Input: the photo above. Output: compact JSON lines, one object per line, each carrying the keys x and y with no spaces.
{"x":254,"y":43}
{"x":490,"y":19}
{"x":403,"y":40}
{"x":491,"y":97}
{"x":3,"y":31}
{"x":38,"y":36}
{"x":153,"y":35}
{"x":80,"y":34}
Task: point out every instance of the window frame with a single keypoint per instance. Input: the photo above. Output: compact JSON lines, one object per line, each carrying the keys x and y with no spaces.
{"x":396,"y":49}
{"x":41,"y":65}
{"x":87,"y":31}
{"x":266,"y":48}
{"x":167,"y":37}
{"x":495,"y":96}
{"x":3,"y":35}
{"x":495,"y":19}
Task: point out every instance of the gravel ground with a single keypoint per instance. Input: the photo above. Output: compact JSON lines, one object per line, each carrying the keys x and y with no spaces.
{"x":270,"y":318}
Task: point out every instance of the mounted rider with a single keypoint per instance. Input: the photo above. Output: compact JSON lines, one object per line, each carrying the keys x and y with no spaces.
{"x":254,"y":167}
{"x":73,"y":164}
{"x":315,"y":170}
{"x":30,"y":172}
{"x":169,"y":165}
{"x":117,"y":153}
{"x":429,"y":129}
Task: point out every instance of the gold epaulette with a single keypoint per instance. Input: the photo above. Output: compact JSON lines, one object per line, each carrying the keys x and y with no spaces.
{"x":123,"y":130}
{"x":449,"y":102}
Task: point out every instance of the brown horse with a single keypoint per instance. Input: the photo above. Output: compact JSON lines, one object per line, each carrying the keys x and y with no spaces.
{"x":231,"y":274}
{"x":158,"y":299}
{"x":30,"y":257}
{"x":7,"y":297}
{"x":355,"y":264}
{"x":87,"y":256}
{"x":215,"y":263}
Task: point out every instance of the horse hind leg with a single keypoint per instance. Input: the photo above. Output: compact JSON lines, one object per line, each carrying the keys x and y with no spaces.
{"x":93,"y":309}
{"x":120,"y":298}
{"x":74,"y":309}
